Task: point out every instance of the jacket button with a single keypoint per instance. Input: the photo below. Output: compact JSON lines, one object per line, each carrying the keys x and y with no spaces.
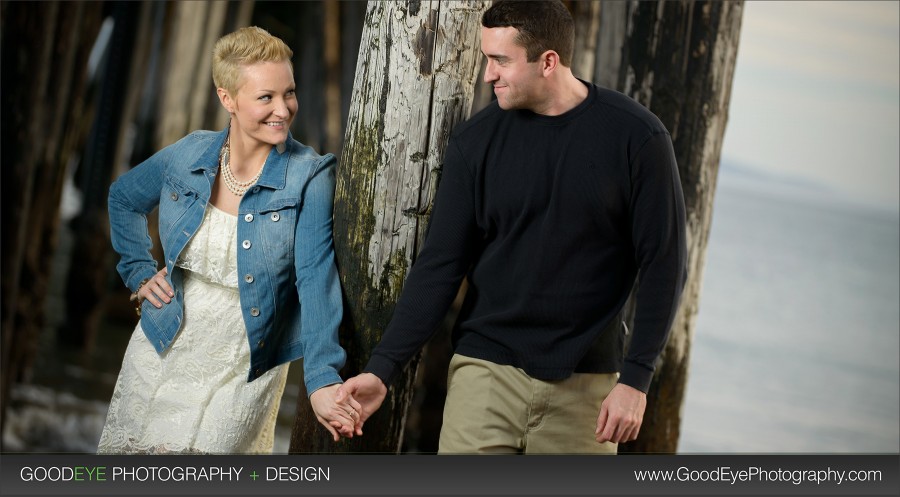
{"x":261,"y":344}
{"x":248,"y":218}
{"x":246,"y":244}
{"x":248,"y":278}
{"x":257,"y":373}
{"x":275,"y":217}
{"x":174,"y":196}
{"x":254,"y":311}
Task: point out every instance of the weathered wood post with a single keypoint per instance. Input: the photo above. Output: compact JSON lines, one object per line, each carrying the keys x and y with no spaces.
{"x":417,"y":66}
{"x":677,"y":59}
{"x":587,"y":28}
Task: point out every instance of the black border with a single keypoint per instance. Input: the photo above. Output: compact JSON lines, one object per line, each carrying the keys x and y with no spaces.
{"x":470,"y":475}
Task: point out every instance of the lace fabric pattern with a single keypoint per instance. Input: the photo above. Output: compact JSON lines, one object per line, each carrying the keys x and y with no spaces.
{"x":212,"y":252}
{"x":194,"y":398}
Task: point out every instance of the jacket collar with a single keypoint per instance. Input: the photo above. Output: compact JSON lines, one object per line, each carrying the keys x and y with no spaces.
{"x":275,"y":173}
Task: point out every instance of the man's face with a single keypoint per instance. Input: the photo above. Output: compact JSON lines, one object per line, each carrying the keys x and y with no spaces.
{"x":516,"y":82}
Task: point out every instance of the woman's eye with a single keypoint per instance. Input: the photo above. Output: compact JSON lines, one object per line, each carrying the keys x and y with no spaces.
{"x":266,"y":98}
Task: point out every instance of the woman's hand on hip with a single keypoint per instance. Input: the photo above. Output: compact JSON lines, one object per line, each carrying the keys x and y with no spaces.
{"x":157,"y":289}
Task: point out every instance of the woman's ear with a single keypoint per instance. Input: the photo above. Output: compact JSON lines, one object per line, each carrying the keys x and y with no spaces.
{"x":225,"y":99}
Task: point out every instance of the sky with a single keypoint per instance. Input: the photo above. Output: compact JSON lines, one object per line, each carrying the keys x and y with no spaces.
{"x":816,"y":96}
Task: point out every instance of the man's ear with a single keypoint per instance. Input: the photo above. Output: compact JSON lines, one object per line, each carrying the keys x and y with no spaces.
{"x":225,"y":99}
{"x":549,"y":62}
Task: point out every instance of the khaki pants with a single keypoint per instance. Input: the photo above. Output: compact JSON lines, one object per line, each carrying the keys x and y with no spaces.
{"x":499,"y":409}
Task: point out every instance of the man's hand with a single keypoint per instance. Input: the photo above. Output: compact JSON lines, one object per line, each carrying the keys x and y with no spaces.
{"x":338,"y":416}
{"x":368,"y":390}
{"x":621,"y":414}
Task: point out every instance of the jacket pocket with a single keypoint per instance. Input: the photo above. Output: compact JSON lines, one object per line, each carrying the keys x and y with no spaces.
{"x":278,"y":227}
{"x":174,"y":201}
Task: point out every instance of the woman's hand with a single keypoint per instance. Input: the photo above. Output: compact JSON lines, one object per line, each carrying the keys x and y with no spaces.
{"x":156,"y":290}
{"x":337,"y":417}
{"x":370,"y":392}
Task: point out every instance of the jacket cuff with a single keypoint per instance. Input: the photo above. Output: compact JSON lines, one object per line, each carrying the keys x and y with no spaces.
{"x":323,"y":379}
{"x":636,"y":376}
{"x":140,"y":275}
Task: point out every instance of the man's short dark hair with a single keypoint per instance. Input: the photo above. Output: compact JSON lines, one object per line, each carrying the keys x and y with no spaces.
{"x":542,"y":26}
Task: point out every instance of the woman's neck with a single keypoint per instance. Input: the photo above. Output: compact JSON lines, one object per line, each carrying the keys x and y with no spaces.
{"x":247,"y":156}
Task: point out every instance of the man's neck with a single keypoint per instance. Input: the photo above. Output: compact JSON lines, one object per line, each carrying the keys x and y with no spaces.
{"x":566,"y":93}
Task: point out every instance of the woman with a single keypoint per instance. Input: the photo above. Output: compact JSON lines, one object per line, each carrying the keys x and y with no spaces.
{"x":248,"y":283}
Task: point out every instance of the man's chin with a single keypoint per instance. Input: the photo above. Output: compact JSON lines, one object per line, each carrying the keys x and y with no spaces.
{"x":505,"y":104}
{"x":508,"y":105}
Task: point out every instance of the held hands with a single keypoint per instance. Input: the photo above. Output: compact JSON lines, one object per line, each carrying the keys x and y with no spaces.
{"x":366,"y":388}
{"x":339,"y":417}
{"x":621,"y":415}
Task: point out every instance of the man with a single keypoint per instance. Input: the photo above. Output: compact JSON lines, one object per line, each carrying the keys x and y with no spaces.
{"x":552,"y":200}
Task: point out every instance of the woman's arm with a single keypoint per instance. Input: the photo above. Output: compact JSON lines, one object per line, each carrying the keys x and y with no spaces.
{"x":317,"y":280}
{"x":131,"y":197}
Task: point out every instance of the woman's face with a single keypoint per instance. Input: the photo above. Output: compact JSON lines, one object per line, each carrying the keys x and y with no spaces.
{"x":265,"y":103}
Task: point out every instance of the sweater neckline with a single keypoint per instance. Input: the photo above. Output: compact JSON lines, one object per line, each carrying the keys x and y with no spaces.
{"x":567,"y":116}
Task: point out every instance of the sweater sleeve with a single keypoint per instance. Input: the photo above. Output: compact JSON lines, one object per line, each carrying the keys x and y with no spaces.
{"x":435,"y":276}
{"x":658,"y":235}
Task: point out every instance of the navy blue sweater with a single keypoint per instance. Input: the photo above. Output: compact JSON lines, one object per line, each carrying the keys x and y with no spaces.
{"x":551,"y":218}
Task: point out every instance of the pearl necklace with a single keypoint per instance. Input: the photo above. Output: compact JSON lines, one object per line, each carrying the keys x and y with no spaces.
{"x":236,"y":187}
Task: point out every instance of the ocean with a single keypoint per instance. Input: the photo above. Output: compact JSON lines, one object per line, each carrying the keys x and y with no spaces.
{"x":797,"y":339}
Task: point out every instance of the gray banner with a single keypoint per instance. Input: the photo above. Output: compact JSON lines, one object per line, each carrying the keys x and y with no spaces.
{"x":44,"y":474}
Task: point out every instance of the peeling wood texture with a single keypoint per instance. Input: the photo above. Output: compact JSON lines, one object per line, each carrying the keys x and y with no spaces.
{"x":678,"y":59}
{"x":415,"y":76}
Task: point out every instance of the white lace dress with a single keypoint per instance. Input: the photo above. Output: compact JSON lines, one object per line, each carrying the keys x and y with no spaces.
{"x":194,"y":398}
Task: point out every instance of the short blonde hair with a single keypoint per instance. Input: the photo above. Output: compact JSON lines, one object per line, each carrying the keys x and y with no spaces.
{"x":244,"y":47}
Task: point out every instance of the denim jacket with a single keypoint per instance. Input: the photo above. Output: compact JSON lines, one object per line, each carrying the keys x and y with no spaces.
{"x":288,"y":284}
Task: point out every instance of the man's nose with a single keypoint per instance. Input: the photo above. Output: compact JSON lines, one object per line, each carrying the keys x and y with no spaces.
{"x":490,"y":74}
